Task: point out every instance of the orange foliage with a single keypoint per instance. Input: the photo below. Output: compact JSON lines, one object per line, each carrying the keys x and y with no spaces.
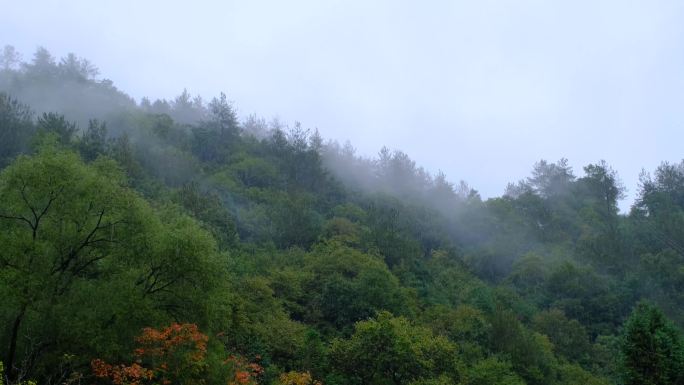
{"x":155,"y":342}
{"x":245,"y":373}
{"x":121,"y":374}
{"x":175,"y":354}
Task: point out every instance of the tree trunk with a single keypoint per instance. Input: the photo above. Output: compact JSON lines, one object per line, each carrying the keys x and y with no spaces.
{"x":11,"y":370}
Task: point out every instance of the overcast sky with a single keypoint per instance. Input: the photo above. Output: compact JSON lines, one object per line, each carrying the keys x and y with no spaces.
{"x":478,"y":89}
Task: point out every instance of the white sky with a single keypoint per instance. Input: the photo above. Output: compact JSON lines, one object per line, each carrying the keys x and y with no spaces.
{"x":480,"y":89}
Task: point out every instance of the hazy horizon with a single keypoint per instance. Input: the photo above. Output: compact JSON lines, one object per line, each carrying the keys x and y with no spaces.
{"x":480,"y":91}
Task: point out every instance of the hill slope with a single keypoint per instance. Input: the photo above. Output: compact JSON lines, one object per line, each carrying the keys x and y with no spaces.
{"x":244,"y":251}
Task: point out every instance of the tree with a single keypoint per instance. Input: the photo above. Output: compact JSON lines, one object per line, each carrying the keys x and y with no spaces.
{"x":599,"y":191}
{"x":73,"y":67}
{"x":174,"y":354}
{"x":492,"y":371}
{"x":177,"y":354}
{"x":186,"y":109}
{"x":207,"y":208}
{"x":465,"y":325}
{"x":568,"y":336}
{"x":389,"y":350}
{"x":16,"y":128}
{"x":93,"y":141}
{"x":604,"y":185}
{"x":349,"y":286}
{"x":550,"y":179}
{"x":9,"y":58}
{"x":659,"y":209}
{"x":58,"y":220}
{"x":529,"y":276}
{"x":42,"y":66}
{"x":296,"y":378}
{"x":667,"y":183}
{"x":652,"y":349}
{"x":224,"y":117}
{"x":596,"y":301}
{"x":80,"y":249}
{"x":572,"y":375}
{"x":52,"y":123}
{"x":529,"y":352}
{"x":215,"y":137}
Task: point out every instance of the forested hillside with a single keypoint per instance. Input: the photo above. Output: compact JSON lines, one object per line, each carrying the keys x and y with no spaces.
{"x":170,"y":242}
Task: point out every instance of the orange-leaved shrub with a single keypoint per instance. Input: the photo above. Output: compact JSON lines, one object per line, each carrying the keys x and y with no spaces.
{"x":173,"y":355}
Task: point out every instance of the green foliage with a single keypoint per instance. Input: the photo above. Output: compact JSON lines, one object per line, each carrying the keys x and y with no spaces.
{"x":530,"y":353}
{"x":572,"y":374}
{"x":652,"y":349}
{"x":389,"y":350}
{"x":586,"y":296}
{"x":529,"y":277}
{"x":81,"y":251}
{"x":492,"y":371}
{"x":465,"y":325}
{"x":52,"y":123}
{"x":605,"y":358}
{"x":257,"y":325}
{"x":569,"y":337}
{"x":335,"y":286}
{"x":207,"y":207}
{"x":16,"y":128}
{"x":93,"y":141}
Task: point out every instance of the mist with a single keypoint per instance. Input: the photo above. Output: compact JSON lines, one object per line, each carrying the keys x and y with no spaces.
{"x":158,"y":132}
{"x":495,"y":85}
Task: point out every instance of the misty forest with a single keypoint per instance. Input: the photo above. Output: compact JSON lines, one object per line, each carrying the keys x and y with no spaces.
{"x":172,"y":242}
